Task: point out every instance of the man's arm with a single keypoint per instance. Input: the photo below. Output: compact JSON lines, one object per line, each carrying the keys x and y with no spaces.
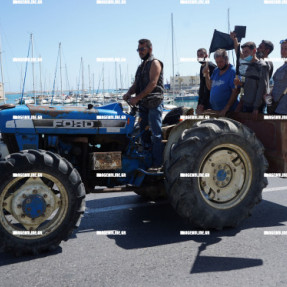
{"x":233,"y":96}
{"x":262,"y":90}
{"x":231,"y":100}
{"x":201,"y":89}
{"x":200,"y":106}
{"x":235,"y":42}
{"x":206,"y":73}
{"x":239,"y":106}
{"x":154,"y":74}
{"x":130,"y":92}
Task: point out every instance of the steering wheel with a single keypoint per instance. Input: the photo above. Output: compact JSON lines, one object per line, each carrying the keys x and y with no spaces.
{"x":134,"y":109}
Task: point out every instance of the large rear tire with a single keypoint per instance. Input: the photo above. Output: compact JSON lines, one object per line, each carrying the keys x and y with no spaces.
{"x":234,"y":159}
{"x":41,"y":201}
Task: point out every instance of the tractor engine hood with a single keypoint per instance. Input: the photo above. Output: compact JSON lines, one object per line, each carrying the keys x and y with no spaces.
{"x":66,"y":120}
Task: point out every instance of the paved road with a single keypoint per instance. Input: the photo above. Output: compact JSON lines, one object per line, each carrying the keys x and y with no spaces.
{"x":152,"y":253}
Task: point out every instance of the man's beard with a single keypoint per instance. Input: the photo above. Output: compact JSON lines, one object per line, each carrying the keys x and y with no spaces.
{"x":146,"y":57}
{"x":223,"y":68}
{"x":260,"y":55}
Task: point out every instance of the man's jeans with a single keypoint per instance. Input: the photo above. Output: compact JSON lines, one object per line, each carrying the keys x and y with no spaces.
{"x":152,"y":118}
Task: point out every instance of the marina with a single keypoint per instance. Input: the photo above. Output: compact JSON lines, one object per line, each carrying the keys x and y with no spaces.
{"x":54,"y":93}
{"x":102,"y":98}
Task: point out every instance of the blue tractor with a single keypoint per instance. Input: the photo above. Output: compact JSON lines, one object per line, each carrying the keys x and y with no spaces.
{"x":58,"y":154}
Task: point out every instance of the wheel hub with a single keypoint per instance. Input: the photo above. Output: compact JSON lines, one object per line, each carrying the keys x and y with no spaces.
{"x":222,"y":175}
{"x":227,"y":166}
{"x":34,"y":206}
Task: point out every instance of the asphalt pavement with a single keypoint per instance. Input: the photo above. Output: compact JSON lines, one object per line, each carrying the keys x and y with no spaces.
{"x":148,"y":250}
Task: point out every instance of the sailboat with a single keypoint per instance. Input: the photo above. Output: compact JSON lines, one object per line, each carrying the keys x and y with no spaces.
{"x":58,"y":99}
{"x":2,"y":95}
{"x":26,"y":99}
{"x":168,"y":102}
{"x":185,"y":96}
{"x":2,"y":92}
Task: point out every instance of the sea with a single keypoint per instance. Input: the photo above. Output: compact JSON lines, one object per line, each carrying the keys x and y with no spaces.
{"x":13,"y":98}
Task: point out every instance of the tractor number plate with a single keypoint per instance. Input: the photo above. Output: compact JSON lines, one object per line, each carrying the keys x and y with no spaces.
{"x":105,"y":160}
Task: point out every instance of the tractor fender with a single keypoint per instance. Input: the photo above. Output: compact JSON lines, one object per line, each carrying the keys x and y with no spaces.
{"x":175,"y":134}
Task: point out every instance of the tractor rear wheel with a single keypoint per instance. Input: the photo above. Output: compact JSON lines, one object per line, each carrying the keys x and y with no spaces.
{"x":214,"y":173}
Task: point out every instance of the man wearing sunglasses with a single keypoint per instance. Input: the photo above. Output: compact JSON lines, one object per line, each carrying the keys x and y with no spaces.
{"x":148,"y":87}
{"x":280,"y":82}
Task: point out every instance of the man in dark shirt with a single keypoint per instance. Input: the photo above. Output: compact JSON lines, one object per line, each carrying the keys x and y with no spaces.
{"x":148,"y":87}
{"x":280,"y":82}
{"x":204,"y":92}
{"x":256,"y":81}
{"x":264,"y":49}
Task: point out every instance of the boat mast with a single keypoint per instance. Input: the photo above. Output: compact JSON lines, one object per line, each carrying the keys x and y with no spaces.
{"x":78,"y":80}
{"x":172,"y":53}
{"x":121,"y":82}
{"x":24,"y":80}
{"x":41,"y":87}
{"x":67,"y":79}
{"x":116,"y":75}
{"x":2,"y":77}
{"x":21,"y":82}
{"x":228,"y":28}
{"x":128,"y":76}
{"x":60,"y":53}
{"x":82,"y":64}
{"x":228,"y":20}
{"x":93,"y":84}
{"x":103,"y":79}
{"x":89,"y":79}
{"x":33,"y":67}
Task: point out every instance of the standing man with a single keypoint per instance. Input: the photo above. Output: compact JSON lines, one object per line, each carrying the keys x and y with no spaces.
{"x":256,"y":82}
{"x":148,"y":87}
{"x":204,"y":93}
{"x":280,"y":82}
{"x":263,"y":51}
{"x":223,"y":94}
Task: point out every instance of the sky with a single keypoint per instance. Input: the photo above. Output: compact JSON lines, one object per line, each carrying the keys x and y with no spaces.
{"x":94,"y":31}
